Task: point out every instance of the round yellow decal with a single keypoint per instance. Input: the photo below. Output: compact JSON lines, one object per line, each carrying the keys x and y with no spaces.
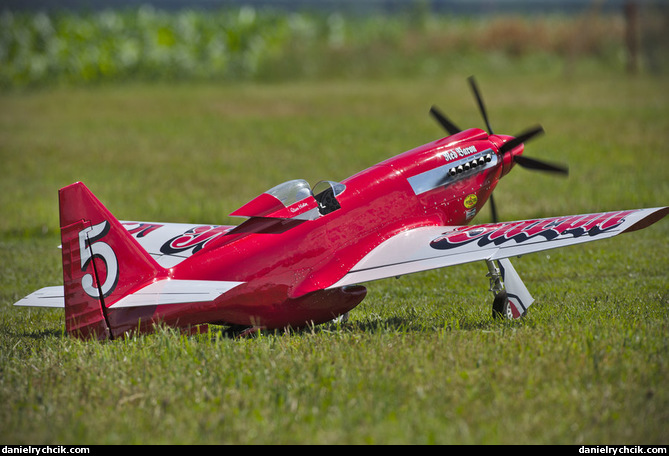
{"x":470,"y":201}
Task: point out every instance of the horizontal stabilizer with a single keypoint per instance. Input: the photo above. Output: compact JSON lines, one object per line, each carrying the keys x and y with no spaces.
{"x":157,"y":293}
{"x":44,"y":297}
{"x":176,"y":292}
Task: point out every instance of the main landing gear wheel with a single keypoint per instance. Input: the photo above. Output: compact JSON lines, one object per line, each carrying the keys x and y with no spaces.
{"x":501,"y":307}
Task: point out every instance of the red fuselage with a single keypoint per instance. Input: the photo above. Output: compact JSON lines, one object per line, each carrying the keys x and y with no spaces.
{"x":287,"y":264}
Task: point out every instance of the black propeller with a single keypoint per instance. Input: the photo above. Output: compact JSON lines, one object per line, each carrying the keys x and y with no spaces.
{"x":532,"y":163}
{"x":525,"y":162}
{"x":479,"y":100}
{"x":444,"y":121}
{"x":521,"y":138}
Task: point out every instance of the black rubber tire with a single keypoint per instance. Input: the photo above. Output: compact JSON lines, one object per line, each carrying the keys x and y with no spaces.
{"x":500,"y":306}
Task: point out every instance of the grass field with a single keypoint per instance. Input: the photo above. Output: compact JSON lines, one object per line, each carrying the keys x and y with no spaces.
{"x":421,"y":360}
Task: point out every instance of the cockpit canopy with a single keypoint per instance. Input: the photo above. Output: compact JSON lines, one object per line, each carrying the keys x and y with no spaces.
{"x":294,"y":199}
{"x":291,"y":192}
{"x":326,"y":193}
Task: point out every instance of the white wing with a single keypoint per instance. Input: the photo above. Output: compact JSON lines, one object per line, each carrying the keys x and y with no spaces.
{"x":427,"y":248}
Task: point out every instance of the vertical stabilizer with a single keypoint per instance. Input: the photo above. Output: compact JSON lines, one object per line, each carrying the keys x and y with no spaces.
{"x":102,"y":263}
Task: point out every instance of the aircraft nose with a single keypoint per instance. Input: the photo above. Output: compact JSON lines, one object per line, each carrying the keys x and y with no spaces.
{"x":507,"y":143}
{"x":508,"y":149}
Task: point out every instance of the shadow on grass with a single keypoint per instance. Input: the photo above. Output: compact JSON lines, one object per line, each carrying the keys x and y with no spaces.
{"x":389,"y":325}
{"x":44,"y":333}
{"x":400,"y":325}
{"x":369,"y":325}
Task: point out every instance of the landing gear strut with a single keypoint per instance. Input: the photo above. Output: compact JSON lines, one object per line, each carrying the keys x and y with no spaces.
{"x":500,"y":304}
{"x":511,"y":297}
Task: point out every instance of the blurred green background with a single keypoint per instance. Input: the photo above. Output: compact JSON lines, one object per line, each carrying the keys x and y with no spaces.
{"x":271,"y":40}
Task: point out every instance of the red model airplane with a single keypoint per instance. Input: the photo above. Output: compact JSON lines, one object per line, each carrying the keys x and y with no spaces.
{"x":300,"y":256}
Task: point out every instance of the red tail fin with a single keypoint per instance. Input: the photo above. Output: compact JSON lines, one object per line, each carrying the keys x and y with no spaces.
{"x":102,"y":262}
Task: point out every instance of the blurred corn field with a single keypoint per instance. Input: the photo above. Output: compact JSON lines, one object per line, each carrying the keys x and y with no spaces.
{"x":40,"y":48}
{"x":67,"y":47}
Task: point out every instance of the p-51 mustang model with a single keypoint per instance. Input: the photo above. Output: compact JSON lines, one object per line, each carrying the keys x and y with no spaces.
{"x":302,"y":253}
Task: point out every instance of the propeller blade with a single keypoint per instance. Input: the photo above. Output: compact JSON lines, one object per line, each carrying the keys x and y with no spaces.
{"x":449,"y":126}
{"x":493,"y":210}
{"x":479,"y":99}
{"x":521,"y":138}
{"x":532,"y":163}
{"x":527,"y":162}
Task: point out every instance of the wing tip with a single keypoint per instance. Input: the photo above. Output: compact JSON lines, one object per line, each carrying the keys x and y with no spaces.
{"x":648,"y":220}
